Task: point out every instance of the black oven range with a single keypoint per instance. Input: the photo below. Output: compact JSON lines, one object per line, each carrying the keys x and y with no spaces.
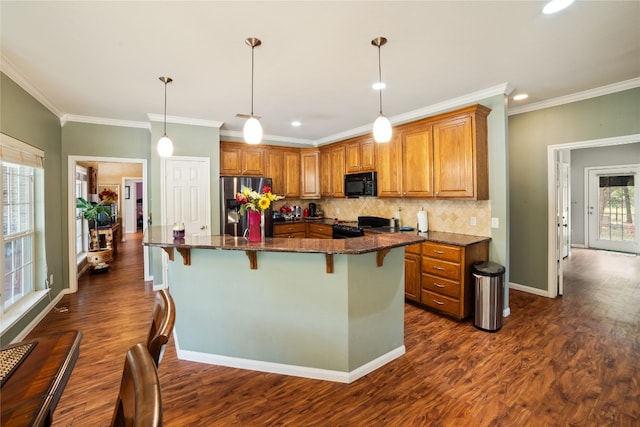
{"x":343,"y":231}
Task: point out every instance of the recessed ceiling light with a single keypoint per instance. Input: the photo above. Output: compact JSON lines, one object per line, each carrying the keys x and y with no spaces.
{"x":379,"y":85}
{"x":520,"y":97}
{"x":296,"y":123}
{"x":556,"y":6}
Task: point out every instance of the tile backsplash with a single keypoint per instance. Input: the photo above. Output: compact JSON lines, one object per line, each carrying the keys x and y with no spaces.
{"x":454,"y":216}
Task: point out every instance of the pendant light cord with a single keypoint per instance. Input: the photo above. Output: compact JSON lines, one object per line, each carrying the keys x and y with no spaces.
{"x":380,"y":78}
{"x":252,"y":49}
{"x":165,"y":106}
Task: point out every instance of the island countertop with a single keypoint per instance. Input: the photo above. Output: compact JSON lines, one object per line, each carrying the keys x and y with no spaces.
{"x":162,"y":236}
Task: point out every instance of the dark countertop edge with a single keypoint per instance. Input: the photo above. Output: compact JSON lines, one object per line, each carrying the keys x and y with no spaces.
{"x":355,"y":246}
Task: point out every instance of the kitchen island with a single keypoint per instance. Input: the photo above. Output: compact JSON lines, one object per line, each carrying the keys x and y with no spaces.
{"x":316,"y":308}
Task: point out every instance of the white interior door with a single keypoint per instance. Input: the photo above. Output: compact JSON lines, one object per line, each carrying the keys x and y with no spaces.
{"x":186,"y":194}
{"x":612,"y":208}
{"x":561,"y":200}
{"x":566,"y":214}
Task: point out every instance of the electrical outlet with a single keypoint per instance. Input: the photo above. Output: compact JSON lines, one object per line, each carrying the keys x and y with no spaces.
{"x":495,"y":222}
{"x":473,"y":221}
{"x":337,"y":211}
{"x":51,"y":279}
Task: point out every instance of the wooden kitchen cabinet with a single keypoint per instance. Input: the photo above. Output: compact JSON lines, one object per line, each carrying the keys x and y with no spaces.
{"x":360,"y":155}
{"x":412,"y":275}
{"x":283,"y":167}
{"x":417,"y":156}
{"x":319,"y":231}
{"x":241,"y":159}
{"x":460,"y":151}
{"x":389,"y":167}
{"x":300,"y":230}
{"x":447,"y":283}
{"x":290,"y":230}
{"x":310,"y":173}
{"x":441,"y":157}
{"x":332,"y":162}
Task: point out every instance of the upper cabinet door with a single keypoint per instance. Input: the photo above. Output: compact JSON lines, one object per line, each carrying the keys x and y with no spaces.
{"x":417,"y":154}
{"x":360,"y":155}
{"x":460,"y":152}
{"x":291,"y":173}
{"x":230,"y":159}
{"x":253,"y":161}
{"x":310,"y":179}
{"x":389,"y":167}
{"x":241,"y":159}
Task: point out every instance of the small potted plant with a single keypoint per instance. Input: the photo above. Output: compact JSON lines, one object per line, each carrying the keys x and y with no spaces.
{"x":99,"y":259}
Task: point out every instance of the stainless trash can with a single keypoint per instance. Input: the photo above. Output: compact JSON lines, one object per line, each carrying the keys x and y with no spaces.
{"x":489,"y":295}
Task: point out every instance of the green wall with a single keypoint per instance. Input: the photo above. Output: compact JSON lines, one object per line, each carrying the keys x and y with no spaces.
{"x":25,"y":119}
{"x":93,"y":140}
{"x":188,"y":141}
{"x":529,"y":136}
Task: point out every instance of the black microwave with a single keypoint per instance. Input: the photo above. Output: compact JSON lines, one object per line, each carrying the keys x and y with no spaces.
{"x":361,"y":184}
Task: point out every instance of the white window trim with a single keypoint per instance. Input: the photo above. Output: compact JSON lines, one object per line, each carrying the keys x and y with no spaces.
{"x":34,"y":157}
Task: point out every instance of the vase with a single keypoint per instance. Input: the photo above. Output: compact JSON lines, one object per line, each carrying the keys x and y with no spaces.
{"x":255,"y":226}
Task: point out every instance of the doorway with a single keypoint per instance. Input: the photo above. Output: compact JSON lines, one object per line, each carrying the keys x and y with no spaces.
{"x":72,"y":161}
{"x":555,"y":211}
{"x":612,"y":208}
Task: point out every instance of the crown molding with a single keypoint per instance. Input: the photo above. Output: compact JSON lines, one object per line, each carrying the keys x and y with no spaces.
{"x":237,"y":135}
{"x":441,"y":107}
{"x":14,"y":74}
{"x":103,"y":121}
{"x":578,"y":96}
{"x":185,"y":121}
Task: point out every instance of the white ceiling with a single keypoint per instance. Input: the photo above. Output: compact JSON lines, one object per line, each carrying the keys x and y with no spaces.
{"x":316,"y":63}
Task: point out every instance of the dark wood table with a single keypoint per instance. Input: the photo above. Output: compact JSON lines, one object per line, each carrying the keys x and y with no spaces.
{"x":30,"y":395}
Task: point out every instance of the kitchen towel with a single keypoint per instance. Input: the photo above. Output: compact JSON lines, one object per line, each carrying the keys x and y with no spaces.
{"x":423,"y":224}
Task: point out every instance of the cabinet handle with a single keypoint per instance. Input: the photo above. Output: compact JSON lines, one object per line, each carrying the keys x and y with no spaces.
{"x":438,"y":285}
{"x":438,"y":302}
{"x":435,"y":267}
{"x":438,"y":252}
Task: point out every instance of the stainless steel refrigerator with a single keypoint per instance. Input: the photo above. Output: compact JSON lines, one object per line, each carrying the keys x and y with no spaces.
{"x":231,"y":222}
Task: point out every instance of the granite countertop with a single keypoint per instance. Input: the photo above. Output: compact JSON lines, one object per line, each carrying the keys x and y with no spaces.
{"x":431,"y":236}
{"x":162,"y":236}
{"x":435,"y":236}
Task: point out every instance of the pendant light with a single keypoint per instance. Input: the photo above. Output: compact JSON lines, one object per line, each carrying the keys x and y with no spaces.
{"x":382,"y":125}
{"x":165,"y":146}
{"x":252,"y":128}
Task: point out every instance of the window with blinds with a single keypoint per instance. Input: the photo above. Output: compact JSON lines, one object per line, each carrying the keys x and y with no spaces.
{"x":21,"y":166}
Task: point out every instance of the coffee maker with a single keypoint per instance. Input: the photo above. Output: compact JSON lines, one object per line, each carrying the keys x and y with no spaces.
{"x":313,"y":210}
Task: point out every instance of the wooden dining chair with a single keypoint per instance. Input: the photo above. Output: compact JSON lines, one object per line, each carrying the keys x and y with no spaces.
{"x":162,"y":322}
{"x":139,"y":402}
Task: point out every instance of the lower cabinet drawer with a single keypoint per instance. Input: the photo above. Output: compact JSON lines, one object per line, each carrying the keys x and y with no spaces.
{"x":441,"y":303}
{"x":320,"y":231}
{"x":445,"y":269}
{"x":297,"y":235}
{"x":441,"y":286}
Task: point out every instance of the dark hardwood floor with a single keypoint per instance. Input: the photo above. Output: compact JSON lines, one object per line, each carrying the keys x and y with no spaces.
{"x":569,"y":361}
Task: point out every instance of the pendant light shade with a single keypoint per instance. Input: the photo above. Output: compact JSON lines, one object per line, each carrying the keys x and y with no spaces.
{"x":382,"y":129}
{"x":252,"y":130}
{"x":165,"y":146}
{"x":382,"y":125}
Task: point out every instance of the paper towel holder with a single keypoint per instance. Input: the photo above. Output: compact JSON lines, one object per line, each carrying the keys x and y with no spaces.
{"x":423,"y":221}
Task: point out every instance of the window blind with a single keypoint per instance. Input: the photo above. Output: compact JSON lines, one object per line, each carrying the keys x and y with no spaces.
{"x":19,"y":153}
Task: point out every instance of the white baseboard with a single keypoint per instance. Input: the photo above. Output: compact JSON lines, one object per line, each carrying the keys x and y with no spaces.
{"x":576,"y":245}
{"x":529,"y":289}
{"x":293,"y":370}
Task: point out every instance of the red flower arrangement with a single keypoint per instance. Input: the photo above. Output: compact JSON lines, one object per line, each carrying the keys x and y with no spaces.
{"x":108,"y":196}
